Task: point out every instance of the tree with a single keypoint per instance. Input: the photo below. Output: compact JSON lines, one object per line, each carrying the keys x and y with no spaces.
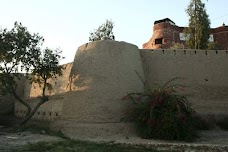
{"x":198,"y":31}
{"x":213,"y":46}
{"x":21,"y":52}
{"x":104,"y":32}
{"x":45,"y":67}
{"x":177,"y":46}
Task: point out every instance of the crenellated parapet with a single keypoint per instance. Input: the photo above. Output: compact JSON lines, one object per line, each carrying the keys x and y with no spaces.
{"x":204,"y":72}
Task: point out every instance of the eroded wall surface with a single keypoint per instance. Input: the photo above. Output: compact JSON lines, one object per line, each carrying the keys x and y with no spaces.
{"x":91,"y":88}
{"x":205,"y":74}
{"x":52,"y":109}
{"x":102,"y":73}
{"x":59,"y":84}
{"x":49,"y":111}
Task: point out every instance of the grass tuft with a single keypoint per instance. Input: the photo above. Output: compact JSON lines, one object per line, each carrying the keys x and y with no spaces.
{"x":81,"y":146}
{"x":36,"y":129}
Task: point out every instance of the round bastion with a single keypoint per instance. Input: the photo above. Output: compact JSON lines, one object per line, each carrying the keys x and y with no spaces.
{"x":102,"y":73}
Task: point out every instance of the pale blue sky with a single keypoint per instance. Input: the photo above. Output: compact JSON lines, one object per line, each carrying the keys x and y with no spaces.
{"x":66,"y":24}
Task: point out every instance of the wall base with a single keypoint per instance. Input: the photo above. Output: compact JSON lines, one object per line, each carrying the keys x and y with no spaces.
{"x":94,"y":130}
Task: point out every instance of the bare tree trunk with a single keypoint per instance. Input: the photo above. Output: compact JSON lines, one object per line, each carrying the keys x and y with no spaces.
{"x":43,"y":99}
{"x":29,"y":109}
{"x":28,"y":117}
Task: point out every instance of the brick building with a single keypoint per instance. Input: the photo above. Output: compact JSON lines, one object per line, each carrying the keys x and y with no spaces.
{"x":166,"y":33}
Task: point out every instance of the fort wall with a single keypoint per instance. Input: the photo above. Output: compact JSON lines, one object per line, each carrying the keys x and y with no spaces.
{"x":87,"y":99}
{"x":205,"y":73}
{"x":52,"y":109}
{"x":102,"y":73}
{"x":59,"y":84}
{"x":49,"y":111}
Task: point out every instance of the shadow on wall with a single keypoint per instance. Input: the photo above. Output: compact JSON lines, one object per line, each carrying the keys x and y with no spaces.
{"x":59,"y":85}
{"x":76,"y":85}
{"x":6,"y":105}
{"x":104,"y":71}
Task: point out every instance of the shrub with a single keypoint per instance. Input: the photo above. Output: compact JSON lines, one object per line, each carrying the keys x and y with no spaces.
{"x":103,"y":32}
{"x":205,"y":122}
{"x":223,"y":123}
{"x":213,"y":46}
{"x":162,"y":113}
{"x":177,"y":46}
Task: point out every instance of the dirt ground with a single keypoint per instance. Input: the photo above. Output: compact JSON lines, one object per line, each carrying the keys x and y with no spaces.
{"x":14,"y":140}
{"x":214,"y":140}
{"x":210,"y":141}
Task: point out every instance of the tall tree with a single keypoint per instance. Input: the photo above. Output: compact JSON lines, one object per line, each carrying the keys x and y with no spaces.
{"x":20,"y":51}
{"x":198,"y":31}
{"x":103,"y":32}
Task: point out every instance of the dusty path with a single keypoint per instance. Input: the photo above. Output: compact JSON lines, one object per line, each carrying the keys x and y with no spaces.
{"x":14,"y":140}
{"x":215,"y":141}
{"x":209,"y":141}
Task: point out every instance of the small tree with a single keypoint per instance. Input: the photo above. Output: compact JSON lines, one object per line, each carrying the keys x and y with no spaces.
{"x":44,"y":68}
{"x":104,"y":32}
{"x":198,"y":31}
{"x":21,"y":52}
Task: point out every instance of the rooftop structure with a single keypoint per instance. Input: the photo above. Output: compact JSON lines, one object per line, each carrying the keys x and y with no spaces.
{"x":166,"y":33}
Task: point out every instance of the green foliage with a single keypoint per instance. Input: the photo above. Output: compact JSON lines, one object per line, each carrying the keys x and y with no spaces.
{"x":36,"y":129}
{"x":104,"y":32}
{"x":223,"y":123}
{"x":177,"y":46}
{"x":81,"y":146}
{"x":69,"y":145}
{"x":47,"y":67}
{"x":20,"y":51}
{"x":198,"y":31}
{"x":203,"y":123}
{"x":162,"y":113}
{"x":212,"y":46}
{"x":17,"y":47}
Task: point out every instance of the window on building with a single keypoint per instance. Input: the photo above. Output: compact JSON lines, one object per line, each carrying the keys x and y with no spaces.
{"x":158,"y":41}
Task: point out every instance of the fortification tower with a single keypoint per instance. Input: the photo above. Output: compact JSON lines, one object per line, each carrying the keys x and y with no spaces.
{"x":102,"y":73}
{"x":166,"y":33}
{"x":220,"y":35}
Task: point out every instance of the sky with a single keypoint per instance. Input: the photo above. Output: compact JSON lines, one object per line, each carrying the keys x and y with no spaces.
{"x":66,"y":24}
